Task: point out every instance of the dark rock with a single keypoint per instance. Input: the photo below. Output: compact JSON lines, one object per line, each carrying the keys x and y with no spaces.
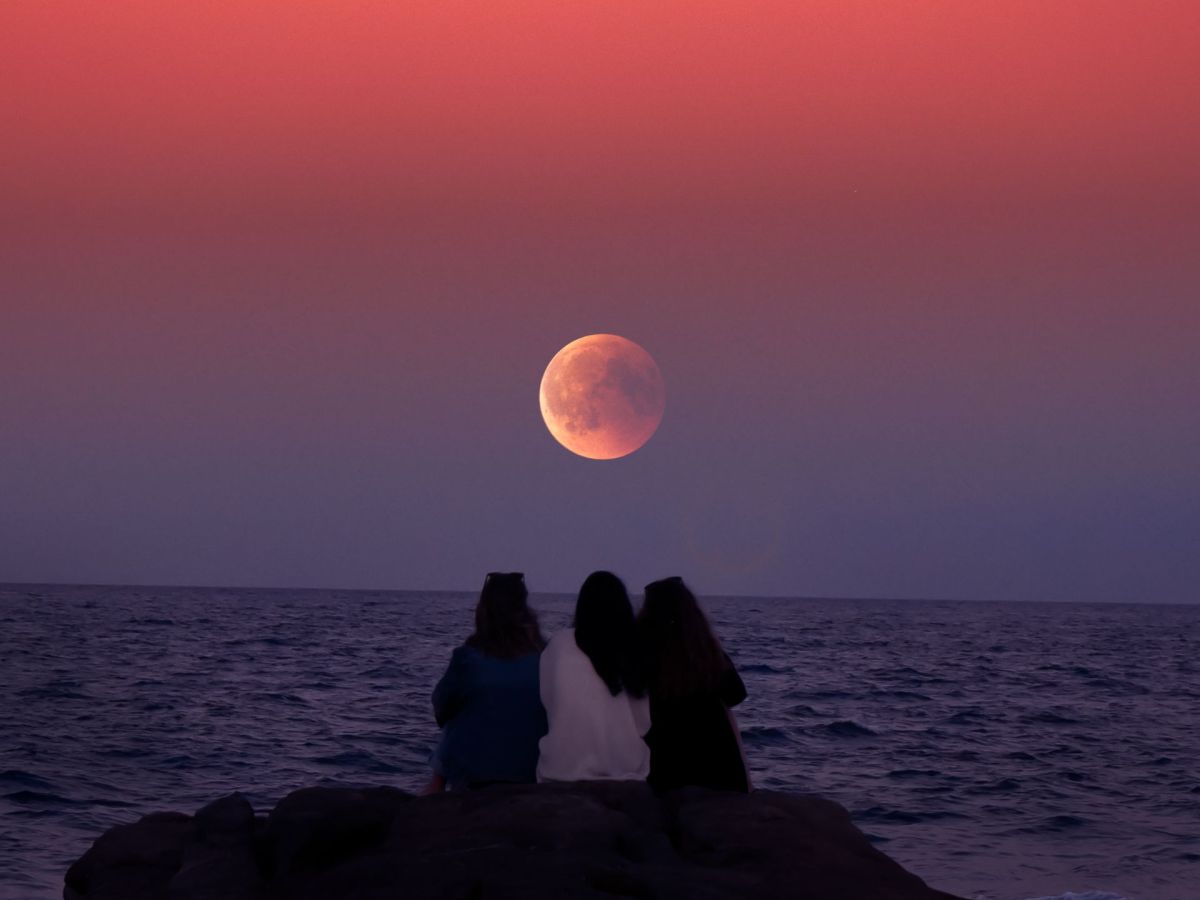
{"x":319,"y":827}
{"x":229,"y":820}
{"x":220,"y":859}
{"x":572,"y":841}
{"x":132,"y":862}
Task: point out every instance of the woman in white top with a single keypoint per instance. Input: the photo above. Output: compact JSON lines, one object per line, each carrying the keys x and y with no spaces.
{"x":594,"y":690}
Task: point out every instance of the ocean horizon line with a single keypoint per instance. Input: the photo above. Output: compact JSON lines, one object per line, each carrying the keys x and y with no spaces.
{"x":814,"y":598}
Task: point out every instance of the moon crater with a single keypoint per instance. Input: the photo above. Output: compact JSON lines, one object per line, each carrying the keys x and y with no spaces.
{"x":602,"y":396}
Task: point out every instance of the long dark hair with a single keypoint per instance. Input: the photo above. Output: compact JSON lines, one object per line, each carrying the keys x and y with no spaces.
{"x":683,"y":656}
{"x":505,"y":625}
{"x":606,"y":631}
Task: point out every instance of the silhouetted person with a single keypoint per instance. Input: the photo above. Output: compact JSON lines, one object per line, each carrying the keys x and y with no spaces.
{"x":693,"y":684}
{"x":488,"y":703}
{"x":594,"y":691}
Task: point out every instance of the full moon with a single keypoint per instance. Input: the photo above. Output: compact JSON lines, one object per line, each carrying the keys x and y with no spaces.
{"x":602,"y":396}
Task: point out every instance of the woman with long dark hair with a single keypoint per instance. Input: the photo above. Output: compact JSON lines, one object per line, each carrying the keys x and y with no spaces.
{"x":693,"y":684}
{"x":594,"y":691}
{"x":488,"y":702}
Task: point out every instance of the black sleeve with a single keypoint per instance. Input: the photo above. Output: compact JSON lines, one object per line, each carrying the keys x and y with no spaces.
{"x":733,"y":689}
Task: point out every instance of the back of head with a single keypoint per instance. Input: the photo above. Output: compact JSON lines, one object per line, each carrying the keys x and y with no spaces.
{"x":505,"y":626}
{"x":683,"y":656}
{"x":605,"y":630}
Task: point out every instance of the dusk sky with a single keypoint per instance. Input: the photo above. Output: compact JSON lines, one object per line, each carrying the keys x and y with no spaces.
{"x":279,"y":281}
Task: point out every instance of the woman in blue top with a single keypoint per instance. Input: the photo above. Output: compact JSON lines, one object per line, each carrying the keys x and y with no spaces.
{"x":488,"y":702}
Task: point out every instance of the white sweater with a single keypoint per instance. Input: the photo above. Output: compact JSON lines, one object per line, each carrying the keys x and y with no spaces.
{"x":593,"y":735}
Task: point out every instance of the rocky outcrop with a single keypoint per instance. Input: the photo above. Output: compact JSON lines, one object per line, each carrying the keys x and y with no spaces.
{"x":587,"y":840}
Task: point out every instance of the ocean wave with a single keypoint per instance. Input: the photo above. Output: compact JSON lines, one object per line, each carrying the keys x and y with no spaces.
{"x":968,"y":717}
{"x":39,"y":798}
{"x":1068,"y":775}
{"x":823,"y":694}
{"x":123,"y":752}
{"x":844,"y":728}
{"x":53,"y":692}
{"x":764,"y":734}
{"x":916,"y":675}
{"x":1004,"y":785}
{"x":904,"y":817}
{"x":283,"y":697}
{"x":111,"y":804}
{"x":23,"y":779}
{"x":1052,"y":825}
{"x":1048,"y":717}
{"x":803,"y":710}
{"x":1117,"y":686}
{"x":358,"y":761}
{"x":265,"y":641}
{"x":389,"y":670}
{"x":899,"y":695}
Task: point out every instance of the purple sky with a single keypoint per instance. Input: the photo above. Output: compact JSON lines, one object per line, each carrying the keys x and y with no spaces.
{"x":923,"y":291}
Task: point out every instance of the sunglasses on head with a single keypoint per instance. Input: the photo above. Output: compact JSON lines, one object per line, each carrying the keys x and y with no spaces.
{"x":663,"y":582}
{"x":504,"y":576}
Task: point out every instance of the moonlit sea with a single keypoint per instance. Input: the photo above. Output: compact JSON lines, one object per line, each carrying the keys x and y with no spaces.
{"x":1001,"y":751}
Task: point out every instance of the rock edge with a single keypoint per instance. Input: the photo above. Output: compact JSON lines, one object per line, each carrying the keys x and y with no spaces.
{"x":593,"y":840}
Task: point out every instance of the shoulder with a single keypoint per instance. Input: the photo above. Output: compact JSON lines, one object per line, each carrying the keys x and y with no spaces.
{"x":465,"y":654}
{"x":561,"y":648}
{"x":562,"y":640}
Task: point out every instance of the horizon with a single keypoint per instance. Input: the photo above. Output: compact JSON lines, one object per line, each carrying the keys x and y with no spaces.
{"x":469,"y":592}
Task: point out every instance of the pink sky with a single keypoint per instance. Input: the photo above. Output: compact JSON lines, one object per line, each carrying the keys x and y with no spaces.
{"x":278,"y":281}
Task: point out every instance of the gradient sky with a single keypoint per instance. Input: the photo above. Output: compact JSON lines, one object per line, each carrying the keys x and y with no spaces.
{"x":278,"y":281}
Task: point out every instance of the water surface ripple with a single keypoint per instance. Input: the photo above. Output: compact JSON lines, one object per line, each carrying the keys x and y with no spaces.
{"x":1002,"y":751}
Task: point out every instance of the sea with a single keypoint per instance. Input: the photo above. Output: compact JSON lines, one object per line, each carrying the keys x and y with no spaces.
{"x":1001,"y":751}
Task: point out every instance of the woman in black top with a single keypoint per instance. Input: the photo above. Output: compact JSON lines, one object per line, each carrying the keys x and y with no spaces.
{"x":693,"y":683}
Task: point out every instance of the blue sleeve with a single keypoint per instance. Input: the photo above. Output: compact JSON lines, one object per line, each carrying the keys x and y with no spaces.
{"x":450,"y":693}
